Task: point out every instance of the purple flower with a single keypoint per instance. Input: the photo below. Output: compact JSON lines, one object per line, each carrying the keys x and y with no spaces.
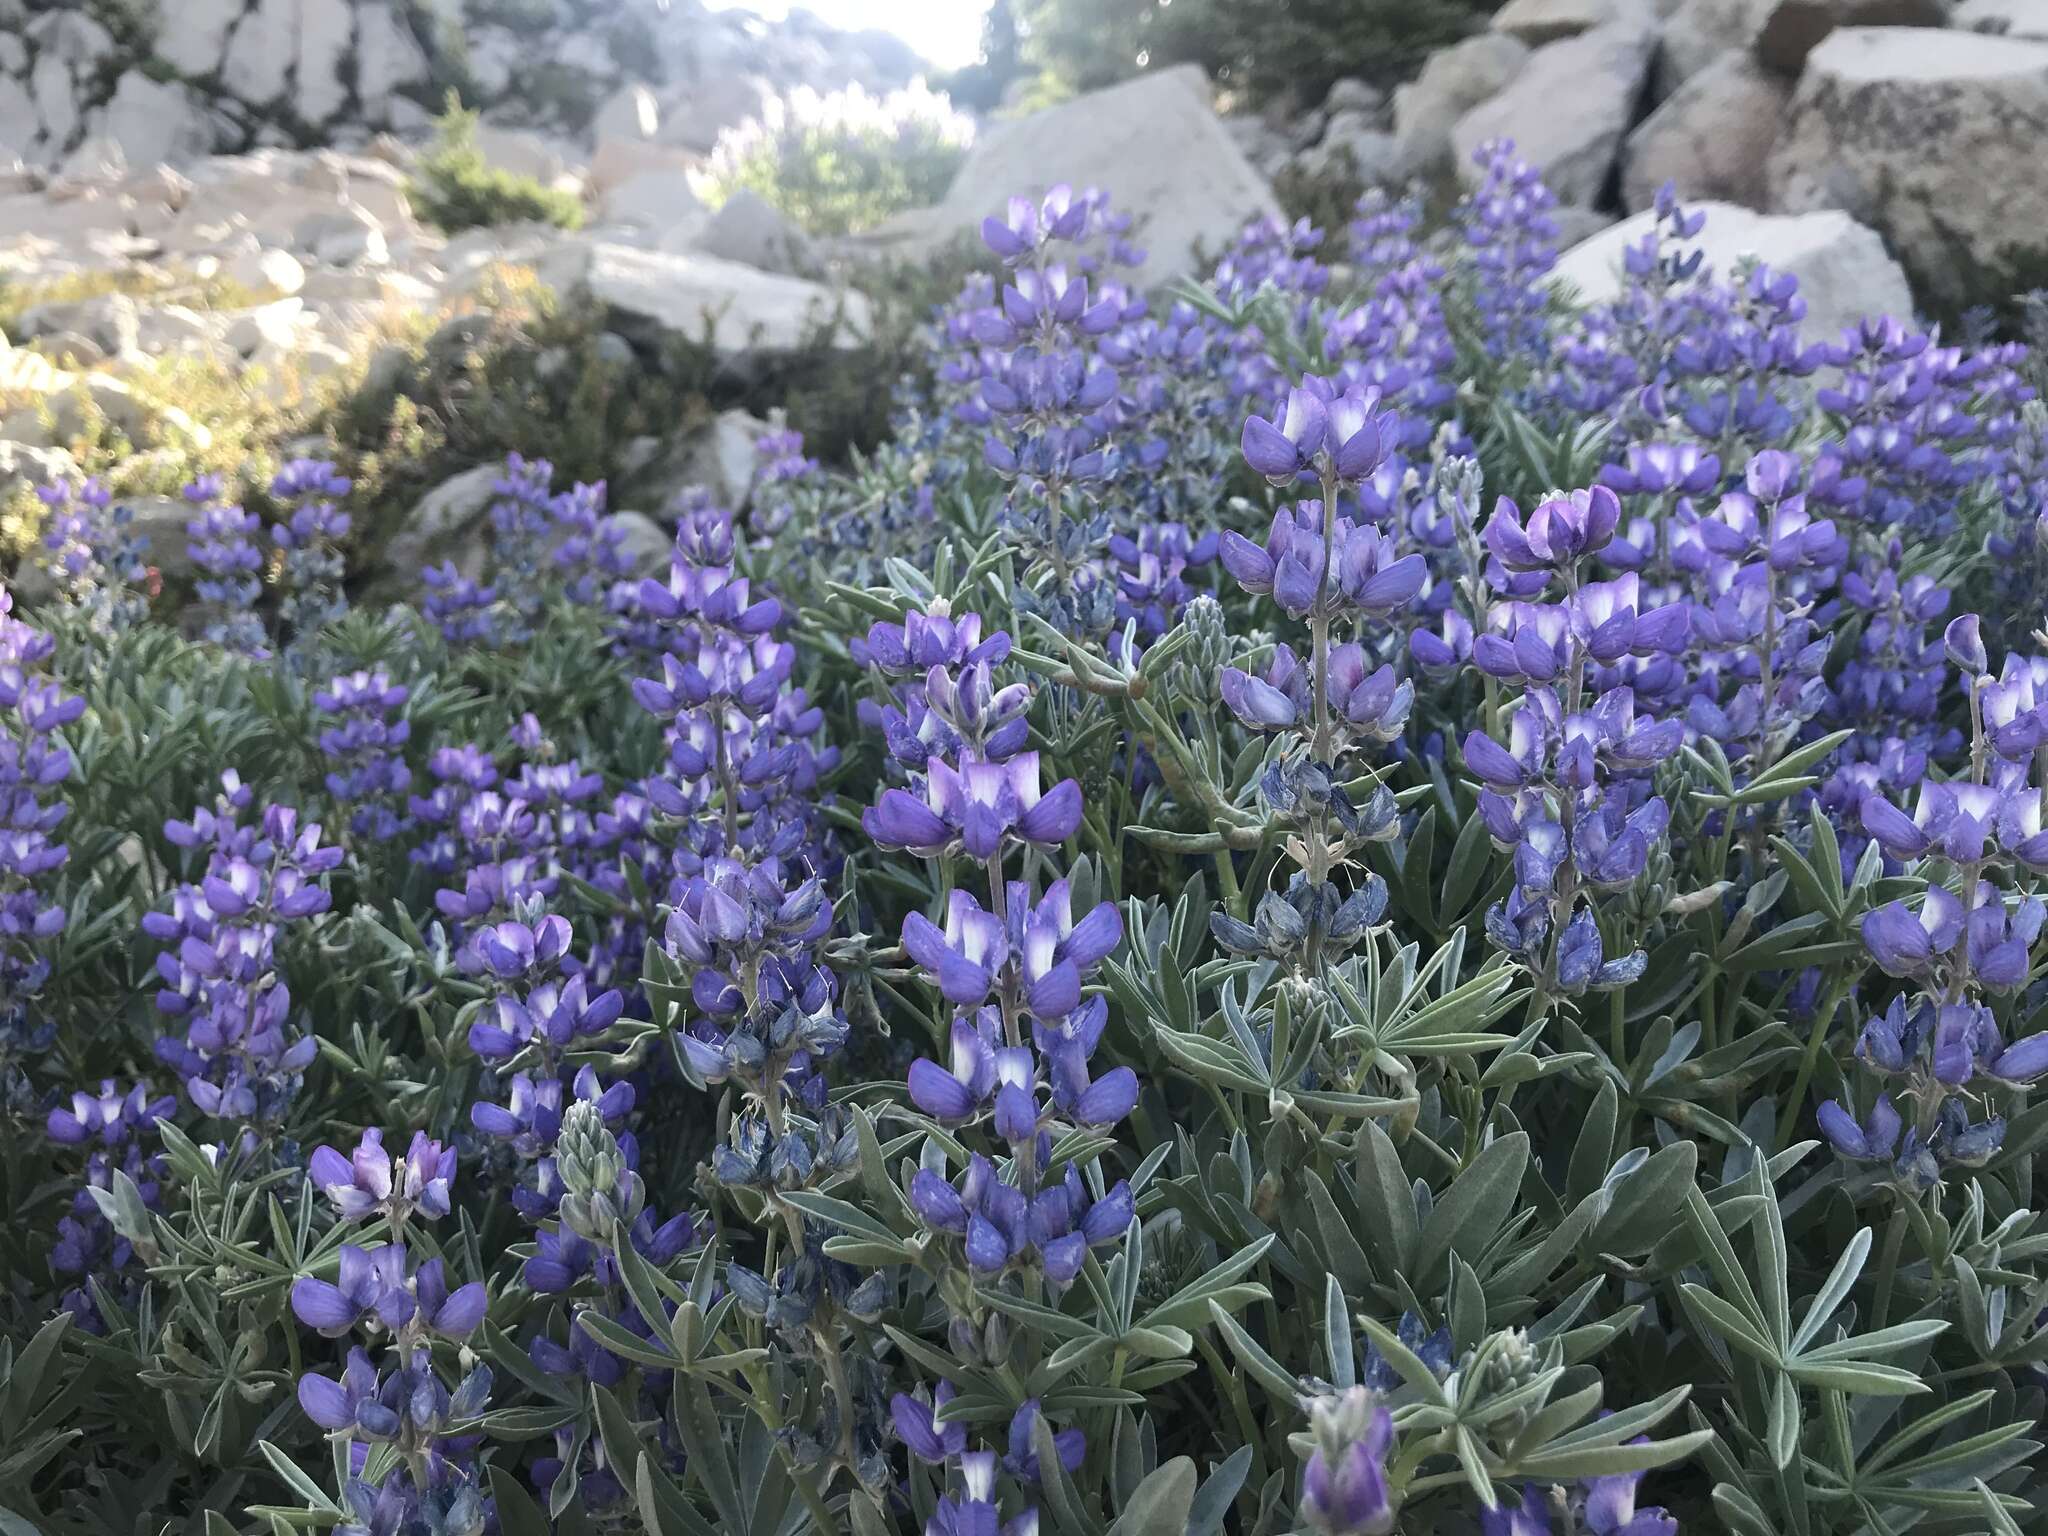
{"x":367,"y":1285}
{"x":919,"y":1429}
{"x":1071,"y":1445}
{"x":964,"y":959}
{"x":371,"y":1179}
{"x":1870,"y":1141}
{"x":1906,"y":944}
{"x":1280,"y":449}
{"x":1559,"y":532}
{"x":1344,"y":1485}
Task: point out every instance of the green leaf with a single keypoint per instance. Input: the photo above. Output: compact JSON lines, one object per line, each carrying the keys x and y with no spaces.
{"x":518,"y":1515}
{"x":1469,"y":1214}
{"x":1162,"y":1502}
{"x":1834,"y":1290}
{"x":1268,"y":1372}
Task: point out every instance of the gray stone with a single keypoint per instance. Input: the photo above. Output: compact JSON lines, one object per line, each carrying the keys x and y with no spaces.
{"x":25,"y":466}
{"x":1537,"y":22}
{"x":1153,"y":140}
{"x":1352,"y":150}
{"x":193,"y":38}
{"x":174,"y":328}
{"x":693,"y":116}
{"x":260,"y":54}
{"x":1933,"y":138}
{"x":1843,"y":270}
{"x":644,"y":543}
{"x":2004,"y":18}
{"x":1566,"y":110}
{"x":1453,"y":81}
{"x":19,"y":123}
{"x":1699,"y":31}
{"x":73,"y":398}
{"x":1795,"y":28}
{"x":493,"y":54}
{"x":1355,"y":96}
{"x":13,"y":54}
{"x":751,"y":231}
{"x":72,"y":37}
{"x":388,"y":56}
{"x":1711,"y":137}
{"x":69,"y":349}
{"x":109,"y":320}
{"x":670,"y":294}
{"x":152,"y":120}
{"x":444,"y":514}
{"x":522,"y":152}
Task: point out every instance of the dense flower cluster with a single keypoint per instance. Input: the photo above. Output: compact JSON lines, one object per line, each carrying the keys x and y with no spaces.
{"x":244,"y":1049}
{"x":1348,"y":899}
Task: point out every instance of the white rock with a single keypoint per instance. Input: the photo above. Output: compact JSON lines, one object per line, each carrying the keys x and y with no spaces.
{"x":266,"y":270}
{"x":1537,"y":22}
{"x":13,"y":54}
{"x":1843,"y":270}
{"x":260,"y":53}
{"x":73,"y":37}
{"x":1153,"y":141}
{"x":276,"y":324}
{"x":110,"y":321}
{"x":192,"y":37}
{"x":1710,"y":138}
{"x":693,"y":116}
{"x":56,"y":98}
{"x":1566,"y":110}
{"x":614,"y":160}
{"x":1794,"y":28}
{"x":670,"y":293}
{"x":632,"y":114}
{"x":1932,"y":137}
{"x":753,"y":232}
{"x":1453,"y":81}
{"x":326,"y":34}
{"x":152,"y":120}
{"x":174,"y":328}
{"x":657,"y":201}
{"x":521,"y":152}
{"x":342,"y":236}
{"x":2003,"y":18}
{"x":388,"y":56}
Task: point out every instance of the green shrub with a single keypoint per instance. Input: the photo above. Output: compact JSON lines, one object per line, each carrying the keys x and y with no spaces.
{"x":843,"y":162}
{"x":457,"y":189}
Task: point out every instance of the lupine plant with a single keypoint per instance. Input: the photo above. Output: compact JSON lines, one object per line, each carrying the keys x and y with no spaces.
{"x":1352,"y":899}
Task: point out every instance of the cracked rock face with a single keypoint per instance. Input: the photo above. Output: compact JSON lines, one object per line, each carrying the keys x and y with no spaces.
{"x":1883,"y":124}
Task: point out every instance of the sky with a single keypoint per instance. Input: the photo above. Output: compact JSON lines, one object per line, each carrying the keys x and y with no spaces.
{"x":946,"y":32}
